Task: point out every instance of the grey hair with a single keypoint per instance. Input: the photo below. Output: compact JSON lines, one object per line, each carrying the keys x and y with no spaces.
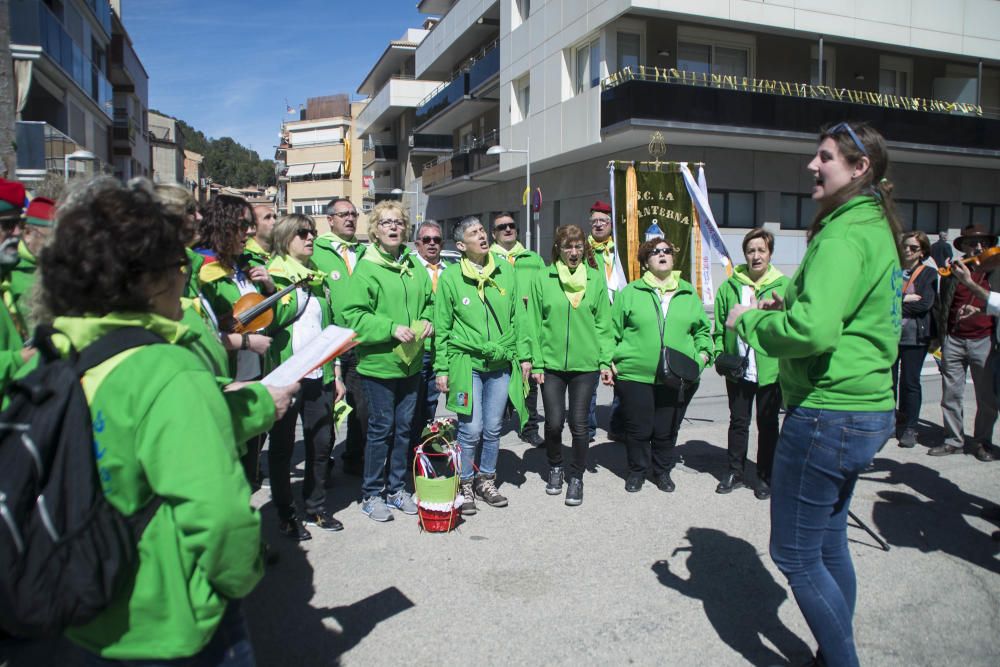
{"x":428,"y":223}
{"x":458,"y":234}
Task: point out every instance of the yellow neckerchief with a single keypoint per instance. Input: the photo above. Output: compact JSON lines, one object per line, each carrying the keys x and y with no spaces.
{"x":607,"y":249}
{"x":286,"y":266}
{"x":376,"y":255}
{"x":574,"y":284}
{"x":254,"y":247}
{"x":24,"y":253}
{"x":353,"y":245}
{"x":742,"y":274}
{"x":510,"y":255}
{"x":481,"y":275}
{"x":669,"y":284}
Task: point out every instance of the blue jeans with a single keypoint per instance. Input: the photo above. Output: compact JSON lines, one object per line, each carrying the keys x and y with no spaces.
{"x":427,"y":398}
{"x":229,"y":647}
{"x":819,"y":457}
{"x":489,"y":398}
{"x":391,"y":404}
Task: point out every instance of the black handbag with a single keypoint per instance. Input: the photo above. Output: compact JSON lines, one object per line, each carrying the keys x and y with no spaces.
{"x":675,"y":369}
{"x":732,"y":366}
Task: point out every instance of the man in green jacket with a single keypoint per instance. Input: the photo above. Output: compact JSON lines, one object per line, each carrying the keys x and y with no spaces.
{"x":526,"y":265}
{"x":609,"y":265}
{"x":337,"y":254}
{"x":258,"y":248}
{"x":37,"y":225}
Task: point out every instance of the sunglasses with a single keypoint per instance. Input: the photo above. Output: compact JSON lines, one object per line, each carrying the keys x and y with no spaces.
{"x":505,"y":226}
{"x":430,"y":239}
{"x":911,"y":247}
{"x":661,"y":251}
{"x":844,"y":127}
{"x":10,"y":223}
{"x":305,"y":233}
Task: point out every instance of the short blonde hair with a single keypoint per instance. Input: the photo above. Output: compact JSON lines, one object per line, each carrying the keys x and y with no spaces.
{"x":376,"y":215}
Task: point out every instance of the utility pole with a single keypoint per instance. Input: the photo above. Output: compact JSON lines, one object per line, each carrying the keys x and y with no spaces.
{"x":8,"y":150}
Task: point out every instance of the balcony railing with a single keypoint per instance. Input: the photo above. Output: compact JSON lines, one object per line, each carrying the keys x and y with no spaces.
{"x":468,"y":160}
{"x":431,"y":142}
{"x":41,"y":147}
{"x":383,"y":152}
{"x":483,"y":67}
{"x":34,"y":23}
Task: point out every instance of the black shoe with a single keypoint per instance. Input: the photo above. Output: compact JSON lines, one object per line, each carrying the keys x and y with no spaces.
{"x":324,"y":521}
{"x":293,"y":530}
{"x":763,"y":490}
{"x":534,"y":439}
{"x":354,"y":468}
{"x":634,"y":483}
{"x":732,"y":480}
{"x":984,"y":453}
{"x":908,"y":438}
{"x":663,"y":482}
{"x":574,"y":491}
{"x":554,"y":485}
{"x":944,"y":450}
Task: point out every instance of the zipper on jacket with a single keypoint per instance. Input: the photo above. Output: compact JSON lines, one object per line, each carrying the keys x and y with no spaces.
{"x":569,"y":312}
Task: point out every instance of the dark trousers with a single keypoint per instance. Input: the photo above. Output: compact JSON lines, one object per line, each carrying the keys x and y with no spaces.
{"x":906,"y":385}
{"x":251,"y":461}
{"x":531,"y":403}
{"x":314,"y":404}
{"x":427,"y":400}
{"x":357,"y":420}
{"x":580,"y":386}
{"x":741,"y":399}
{"x":653,"y":415}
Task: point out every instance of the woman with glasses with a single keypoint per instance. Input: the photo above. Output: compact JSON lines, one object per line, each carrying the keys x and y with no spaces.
{"x":299,"y":317}
{"x":836,"y":335}
{"x":919,"y":291}
{"x":568,"y":328}
{"x":658,"y":309}
{"x":389,"y":306}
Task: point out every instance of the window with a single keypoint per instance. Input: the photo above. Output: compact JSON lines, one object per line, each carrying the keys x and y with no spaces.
{"x":588,"y":67}
{"x":797,"y":211}
{"x":895,"y":75}
{"x":734,"y":209}
{"x":829,"y":62}
{"x":987,"y":215}
{"x":715,"y":52}
{"x":522,"y":99}
{"x":629,"y":45}
{"x":314,"y":207}
{"x":521,"y":9}
{"x":918,"y":215}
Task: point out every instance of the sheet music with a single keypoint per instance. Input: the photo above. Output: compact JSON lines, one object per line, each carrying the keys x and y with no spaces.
{"x":332,"y":342}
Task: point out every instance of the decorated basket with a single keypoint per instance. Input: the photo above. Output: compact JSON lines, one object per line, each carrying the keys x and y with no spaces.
{"x":436,"y":466}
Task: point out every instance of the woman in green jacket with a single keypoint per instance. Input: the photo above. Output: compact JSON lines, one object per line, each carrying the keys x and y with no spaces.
{"x":388,"y":305}
{"x":300,"y":316}
{"x":569,"y":331}
{"x":836,"y":335}
{"x":750,"y":282}
{"x":659,"y":301}
{"x":163,"y":430}
{"x":475,"y":355}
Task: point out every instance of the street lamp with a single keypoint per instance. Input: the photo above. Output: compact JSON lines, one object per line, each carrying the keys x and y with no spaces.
{"x":499,"y":150}
{"x":75,"y":155}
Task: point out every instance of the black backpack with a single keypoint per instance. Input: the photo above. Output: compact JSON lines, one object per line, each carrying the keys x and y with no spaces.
{"x":64,"y":550}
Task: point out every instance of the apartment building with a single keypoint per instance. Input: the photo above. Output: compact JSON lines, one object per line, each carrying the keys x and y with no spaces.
{"x":742,"y":86}
{"x":167,"y":141}
{"x":65,"y":106}
{"x":130,"y":148}
{"x":319,"y":157}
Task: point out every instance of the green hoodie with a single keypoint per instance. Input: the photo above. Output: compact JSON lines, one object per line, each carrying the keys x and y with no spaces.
{"x":332,"y":264}
{"x":838,"y":335}
{"x":161,"y":428}
{"x":21,"y":284}
{"x":380,"y":299}
{"x":635,"y":322}
{"x":10,"y":349}
{"x":728,"y":295}
{"x":527,"y":265}
{"x":563,"y":338}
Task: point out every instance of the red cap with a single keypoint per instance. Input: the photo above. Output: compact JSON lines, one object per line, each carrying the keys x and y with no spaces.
{"x":601,"y":207}
{"x":11,"y":196}
{"x":41,"y":211}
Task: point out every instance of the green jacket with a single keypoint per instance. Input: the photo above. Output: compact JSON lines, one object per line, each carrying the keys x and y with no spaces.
{"x":222,"y":293}
{"x":727,"y":296}
{"x":527,"y":265}
{"x":563,"y":338}
{"x":254,"y":255}
{"x":10,"y":349}
{"x":285,"y":312}
{"x":161,"y":428}
{"x":635,"y":322}
{"x":332,"y":264}
{"x":194,"y":281}
{"x":379,"y":300}
{"x":838,"y":335}
{"x":21,"y":284}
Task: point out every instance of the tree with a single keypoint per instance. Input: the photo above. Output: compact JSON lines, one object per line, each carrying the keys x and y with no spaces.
{"x":8,"y":147}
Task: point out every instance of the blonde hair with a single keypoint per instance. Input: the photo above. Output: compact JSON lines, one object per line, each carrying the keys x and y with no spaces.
{"x":285,"y":230}
{"x":376,"y":215}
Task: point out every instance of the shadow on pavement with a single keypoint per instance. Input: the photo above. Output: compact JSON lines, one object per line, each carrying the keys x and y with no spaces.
{"x":935,"y":524}
{"x":740,"y":597}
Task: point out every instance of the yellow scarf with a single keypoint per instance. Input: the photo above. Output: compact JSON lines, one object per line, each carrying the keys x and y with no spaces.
{"x":376,"y":255}
{"x":286,"y":266}
{"x":574,"y":284}
{"x":510,"y":255}
{"x":481,"y":275}
{"x":607,"y":249}
{"x":668,"y":284}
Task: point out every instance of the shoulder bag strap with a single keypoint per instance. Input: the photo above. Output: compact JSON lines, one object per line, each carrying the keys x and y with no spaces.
{"x":913,"y":276}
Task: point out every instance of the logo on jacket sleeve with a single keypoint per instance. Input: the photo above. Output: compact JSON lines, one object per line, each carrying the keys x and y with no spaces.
{"x":335,"y":275}
{"x":465,"y":301}
{"x":462,"y":399}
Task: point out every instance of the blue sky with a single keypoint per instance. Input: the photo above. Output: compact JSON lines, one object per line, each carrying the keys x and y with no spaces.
{"x":226,"y":66}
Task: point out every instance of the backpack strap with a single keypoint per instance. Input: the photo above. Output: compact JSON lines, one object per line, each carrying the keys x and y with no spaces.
{"x":113,"y":343}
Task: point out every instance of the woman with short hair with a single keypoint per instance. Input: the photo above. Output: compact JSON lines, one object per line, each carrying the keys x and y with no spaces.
{"x":389,"y":306}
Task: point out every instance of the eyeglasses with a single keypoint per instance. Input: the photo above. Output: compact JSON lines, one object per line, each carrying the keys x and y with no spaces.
{"x":430,"y":239}
{"x":346,"y":214}
{"x":844,"y":127}
{"x":391,"y":223}
{"x":912,"y":247}
{"x":505,"y":226}
{"x":661,"y":251}
{"x":305,"y":233}
{"x":602,"y":221}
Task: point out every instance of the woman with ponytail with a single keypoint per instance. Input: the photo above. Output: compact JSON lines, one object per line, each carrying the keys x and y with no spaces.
{"x":836,"y":334}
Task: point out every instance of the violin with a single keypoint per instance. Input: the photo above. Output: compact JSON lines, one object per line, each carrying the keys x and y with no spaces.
{"x":984,"y":261}
{"x":253,"y":312}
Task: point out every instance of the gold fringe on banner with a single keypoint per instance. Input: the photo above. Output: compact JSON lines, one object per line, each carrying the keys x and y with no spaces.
{"x":632,"y":222}
{"x":652,"y":163}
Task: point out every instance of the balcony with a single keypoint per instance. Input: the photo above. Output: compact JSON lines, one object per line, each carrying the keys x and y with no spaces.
{"x":466,"y":25}
{"x":123,"y":128}
{"x":34,"y":24}
{"x":42,"y":148}
{"x":397,"y":95}
{"x":464,"y":98}
{"x":127,"y":72}
{"x":462,"y":171}
{"x":381,"y":153}
{"x":774,"y":111}
{"x":431,"y":144}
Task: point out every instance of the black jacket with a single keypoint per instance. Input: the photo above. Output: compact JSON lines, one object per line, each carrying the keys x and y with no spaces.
{"x":920,"y":311}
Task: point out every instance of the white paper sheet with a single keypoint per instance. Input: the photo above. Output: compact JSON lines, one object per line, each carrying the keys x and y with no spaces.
{"x":332,"y":342}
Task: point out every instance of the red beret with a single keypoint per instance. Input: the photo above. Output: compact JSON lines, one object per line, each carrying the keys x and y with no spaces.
{"x":41,"y":212}
{"x":601,"y":207}
{"x":11,"y":196}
